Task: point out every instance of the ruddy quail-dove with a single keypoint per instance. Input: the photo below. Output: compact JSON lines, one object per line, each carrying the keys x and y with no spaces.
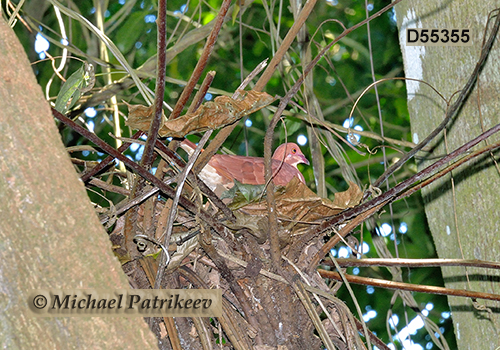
{"x":222,"y":169}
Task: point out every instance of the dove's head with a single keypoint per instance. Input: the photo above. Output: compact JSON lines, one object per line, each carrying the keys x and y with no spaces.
{"x":290,"y":153}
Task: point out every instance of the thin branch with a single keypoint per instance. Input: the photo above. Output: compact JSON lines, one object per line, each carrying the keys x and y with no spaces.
{"x":126,"y":204}
{"x":408,"y":286}
{"x":200,"y":95}
{"x":285,"y":45}
{"x":109,"y":187}
{"x":390,"y":195}
{"x":328,"y":295}
{"x":489,"y":148}
{"x":161,"y":72}
{"x":375,"y":340}
{"x":339,"y":236}
{"x":343,"y":278}
{"x":414,"y":263}
{"x":104,"y":163}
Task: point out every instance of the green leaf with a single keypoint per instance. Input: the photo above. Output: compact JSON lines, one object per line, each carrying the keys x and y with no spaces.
{"x":155,"y":255}
{"x":250,"y":192}
{"x":71,"y":90}
{"x":243,"y":194}
{"x":291,"y":127}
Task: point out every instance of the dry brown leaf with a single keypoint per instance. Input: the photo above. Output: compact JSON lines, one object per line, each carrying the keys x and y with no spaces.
{"x":211,"y":115}
{"x":139,"y":117}
{"x":256,"y":224}
{"x":297,"y":202}
{"x":349,"y":198}
{"x":298,"y":207}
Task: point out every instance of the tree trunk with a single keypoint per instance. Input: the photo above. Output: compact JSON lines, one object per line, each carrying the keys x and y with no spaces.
{"x":462,"y":210}
{"x":50,"y":236}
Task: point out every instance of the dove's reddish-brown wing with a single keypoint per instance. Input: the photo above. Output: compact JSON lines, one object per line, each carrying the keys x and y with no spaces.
{"x":250,"y":170}
{"x":223,"y":169}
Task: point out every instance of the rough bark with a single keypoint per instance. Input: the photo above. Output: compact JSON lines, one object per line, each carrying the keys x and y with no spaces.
{"x":50,"y":236}
{"x":463,"y":219}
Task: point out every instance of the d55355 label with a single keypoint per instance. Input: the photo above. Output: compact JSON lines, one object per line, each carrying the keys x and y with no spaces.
{"x":438,"y":37}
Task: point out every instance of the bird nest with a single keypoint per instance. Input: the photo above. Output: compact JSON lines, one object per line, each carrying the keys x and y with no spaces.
{"x":237,"y":259}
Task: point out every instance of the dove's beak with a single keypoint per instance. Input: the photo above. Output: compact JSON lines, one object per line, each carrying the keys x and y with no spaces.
{"x":302,"y":159}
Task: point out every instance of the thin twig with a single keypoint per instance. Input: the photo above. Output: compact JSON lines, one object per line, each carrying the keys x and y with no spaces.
{"x":200,"y":95}
{"x":161,"y":72}
{"x":408,"y":286}
{"x":104,"y":163}
{"x":125,"y":205}
{"x":287,"y":41}
{"x":339,"y":303}
{"x":356,"y":304}
{"x":375,"y":340}
{"x":109,"y":187}
{"x":414,"y":263}
{"x":489,"y":148}
{"x":385,"y":197}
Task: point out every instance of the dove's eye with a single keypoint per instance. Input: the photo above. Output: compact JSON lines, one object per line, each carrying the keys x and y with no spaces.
{"x":294,"y":150}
